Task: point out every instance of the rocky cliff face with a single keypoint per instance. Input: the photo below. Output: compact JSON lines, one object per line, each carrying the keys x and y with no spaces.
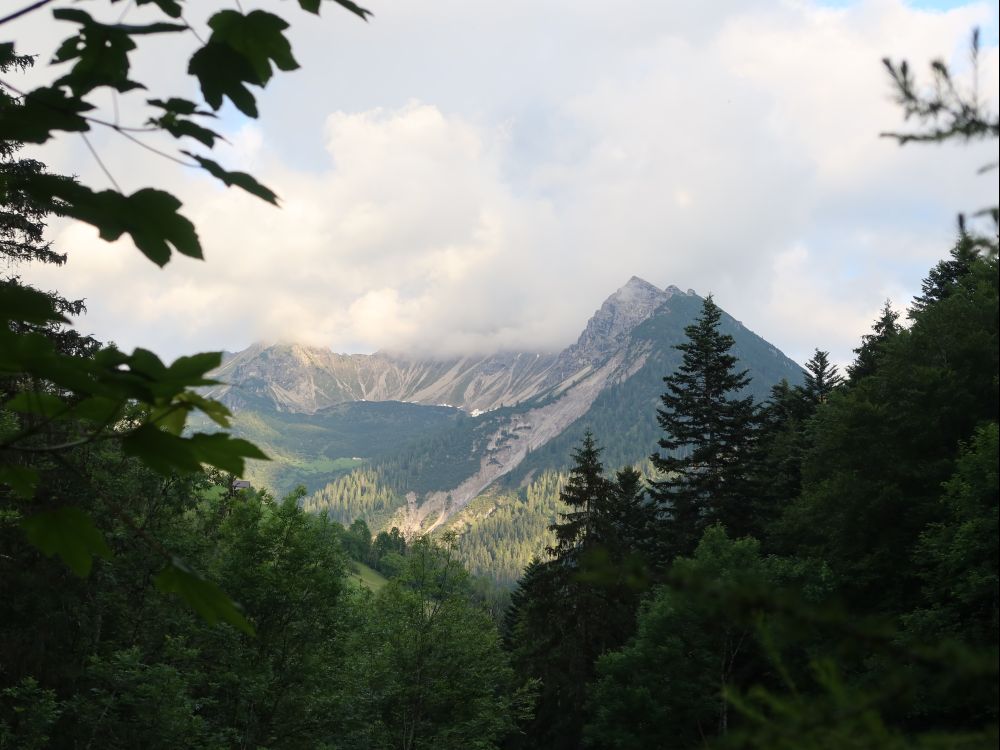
{"x":608,"y":329}
{"x":298,"y":378}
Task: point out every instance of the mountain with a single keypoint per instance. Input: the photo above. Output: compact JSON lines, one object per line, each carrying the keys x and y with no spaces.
{"x":436,"y":434}
{"x":304,"y":379}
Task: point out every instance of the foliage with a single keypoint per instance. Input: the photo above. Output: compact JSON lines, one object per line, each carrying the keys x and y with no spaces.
{"x":708,"y":436}
{"x":500,"y":531}
{"x":66,"y":392}
{"x":665,"y":688}
{"x":947,"y":112}
{"x":868,"y":355}
{"x":882,"y":448}
{"x":821,"y":378}
{"x":865,"y":616}
{"x":428,"y":664}
{"x":582,"y":602}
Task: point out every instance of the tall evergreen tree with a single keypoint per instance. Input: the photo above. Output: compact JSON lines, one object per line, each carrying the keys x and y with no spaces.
{"x":582,"y":602}
{"x":943,"y":279}
{"x":708,"y":441}
{"x":868,"y":354}
{"x":586,"y":493}
{"x":872,"y":477}
{"x":23,"y":221}
{"x":781,"y":446}
{"x":821,"y":378}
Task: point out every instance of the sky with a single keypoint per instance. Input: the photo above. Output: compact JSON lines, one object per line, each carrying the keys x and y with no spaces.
{"x":465,"y":177}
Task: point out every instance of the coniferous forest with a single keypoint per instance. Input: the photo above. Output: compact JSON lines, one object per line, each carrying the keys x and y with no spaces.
{"x":817,"y":569}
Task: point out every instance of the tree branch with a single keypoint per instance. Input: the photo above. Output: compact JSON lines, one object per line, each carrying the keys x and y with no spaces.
{"x":24,"y":11}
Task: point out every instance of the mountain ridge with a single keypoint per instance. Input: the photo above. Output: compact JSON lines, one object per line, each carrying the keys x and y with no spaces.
{"x":305,"y":379}
{"x":521,"y":411}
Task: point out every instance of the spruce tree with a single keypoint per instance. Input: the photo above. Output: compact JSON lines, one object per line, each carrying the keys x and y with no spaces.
{"x":821,"y":378}
{"x":586,"y":493}
{"x":708,"y":440}
{"x":782,"y":442}
{"x":23,"y":222}
{"x":870,"y":351}
{"x":581,"y":603}
{"x":946,"y":275}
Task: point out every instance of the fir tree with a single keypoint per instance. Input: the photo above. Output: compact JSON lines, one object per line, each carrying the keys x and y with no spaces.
{"x":782,"y":442}
{"x":821,"y":378}
{"x":708,"y":441}
{"x":946,"y":275}
{"x":23,"y":222}
{"x":870,"y":351}
{"x":569,"y":610}
{"x":586,"y":493}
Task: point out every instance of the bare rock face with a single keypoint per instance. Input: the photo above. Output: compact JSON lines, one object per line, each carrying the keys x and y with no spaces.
{"x":299,"y":378}
{"x":290,"y":377}
{"x":608,"y":329}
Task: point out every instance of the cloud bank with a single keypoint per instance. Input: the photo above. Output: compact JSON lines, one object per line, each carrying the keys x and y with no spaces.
{"x":485,"y":189}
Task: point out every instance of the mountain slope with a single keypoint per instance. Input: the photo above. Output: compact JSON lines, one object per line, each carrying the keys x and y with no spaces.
{"x":299,"y":378}
{"x":623,"y":416}
{"x":516,"y":415}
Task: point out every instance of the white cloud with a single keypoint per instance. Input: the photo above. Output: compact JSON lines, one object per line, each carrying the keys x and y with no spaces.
{"x":487,"y":189}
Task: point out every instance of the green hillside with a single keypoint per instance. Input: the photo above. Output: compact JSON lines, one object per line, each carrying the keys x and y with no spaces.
{"x":624,"y":416}
{"x":314,"y":449}
{"x":360,"y":574}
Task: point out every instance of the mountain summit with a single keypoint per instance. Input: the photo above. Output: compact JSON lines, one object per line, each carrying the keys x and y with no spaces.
{"x":611,"y":325}
{"x":629,"y":306}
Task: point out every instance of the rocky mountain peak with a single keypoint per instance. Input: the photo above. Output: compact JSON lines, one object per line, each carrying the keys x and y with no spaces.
{"x":636,"y":286}
{"x":624,"y":310}
{"x":608,"y":328}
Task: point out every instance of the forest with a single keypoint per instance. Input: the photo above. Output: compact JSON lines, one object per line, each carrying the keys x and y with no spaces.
{"x":815,"y":568}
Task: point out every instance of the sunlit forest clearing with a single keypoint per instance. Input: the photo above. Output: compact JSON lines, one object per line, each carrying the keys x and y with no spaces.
{"x":661,"y":532}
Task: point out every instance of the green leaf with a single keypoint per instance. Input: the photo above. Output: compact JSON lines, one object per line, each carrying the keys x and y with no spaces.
{"x":101,"y":51}
{"x":239,"y":179}
{"x":146,"y":362}
{"x":356,"y":9}
{"x":312,"y":6}
{"x":179,"y":127}
{"x":224,"y":452}
{"x":85,"y":19}
{"x":203,"y":596}
{"x":178,"y":106}
{"x":155,"y":226}
{"x":41,"y":112}
{"x":214,"y":410}
{"x":150,"y":216}
{"x":69,"y":533}
{"x":21,"y":480}
{"x":221,"y":72}
{"x":240,"y":51}
{"x":170,"y":418}
{"x":196,"y":365}
{"x":36,"y":402}
{"x":166,"y":453}
{"x":159,"y":450}
{"x":257,"y":37}
{"x":99,"y":409}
